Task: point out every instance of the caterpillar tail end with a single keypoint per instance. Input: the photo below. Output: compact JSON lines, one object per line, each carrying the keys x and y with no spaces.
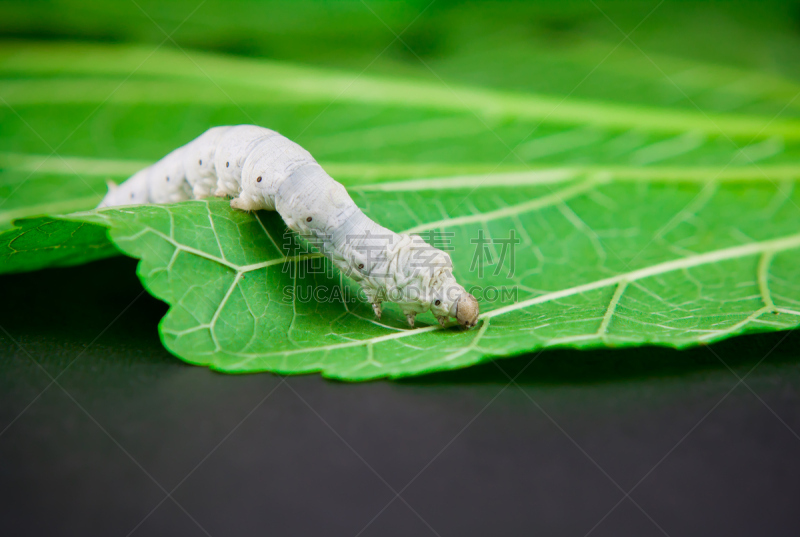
{"x":106,"y":201}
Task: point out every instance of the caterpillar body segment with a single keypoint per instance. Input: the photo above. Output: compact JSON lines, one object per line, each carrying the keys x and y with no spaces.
{"x":261,"y":169}
{"x":198,"y":162}
{"x":233,"y":148}
{"x":166,"y":179}
{"x":134,"y":191}
{"x":265,"y":168}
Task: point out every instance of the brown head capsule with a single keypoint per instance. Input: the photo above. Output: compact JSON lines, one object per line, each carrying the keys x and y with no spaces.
{"x":467,"y":310}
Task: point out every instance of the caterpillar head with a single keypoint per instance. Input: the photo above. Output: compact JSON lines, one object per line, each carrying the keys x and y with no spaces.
{"x":456,"y":302}
{"x":466,"y":310}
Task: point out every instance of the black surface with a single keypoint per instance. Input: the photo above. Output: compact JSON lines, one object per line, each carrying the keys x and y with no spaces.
{"x":94,"y":453}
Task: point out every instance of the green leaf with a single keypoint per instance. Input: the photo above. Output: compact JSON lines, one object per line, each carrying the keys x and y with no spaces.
{"x":586,"y":276}
{"x":47,"y":242}
{"x":645,"y":223}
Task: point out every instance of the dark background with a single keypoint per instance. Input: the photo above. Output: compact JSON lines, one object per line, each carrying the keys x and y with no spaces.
{"x":102,"y":432}
{"x":96,"y":452}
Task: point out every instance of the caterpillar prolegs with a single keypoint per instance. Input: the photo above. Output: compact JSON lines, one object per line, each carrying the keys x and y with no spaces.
{"x":261,"y":169}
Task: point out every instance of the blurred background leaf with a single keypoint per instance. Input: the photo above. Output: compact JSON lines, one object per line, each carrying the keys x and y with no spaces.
{"x":692,"y":58}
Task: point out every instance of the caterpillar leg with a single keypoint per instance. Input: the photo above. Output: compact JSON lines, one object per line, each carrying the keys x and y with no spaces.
{"x":376,"y":307}
{"x":442,"y":319}
{"x":200,"y":193}
{"x":244,"y":204}
{"x":410,"y":319}
{"x":227,"y":188}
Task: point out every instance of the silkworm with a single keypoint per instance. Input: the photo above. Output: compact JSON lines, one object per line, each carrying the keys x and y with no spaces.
{"x":261,"y":169}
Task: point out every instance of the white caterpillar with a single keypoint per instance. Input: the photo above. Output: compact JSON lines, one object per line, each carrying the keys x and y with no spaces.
{"x":260,"y":169}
